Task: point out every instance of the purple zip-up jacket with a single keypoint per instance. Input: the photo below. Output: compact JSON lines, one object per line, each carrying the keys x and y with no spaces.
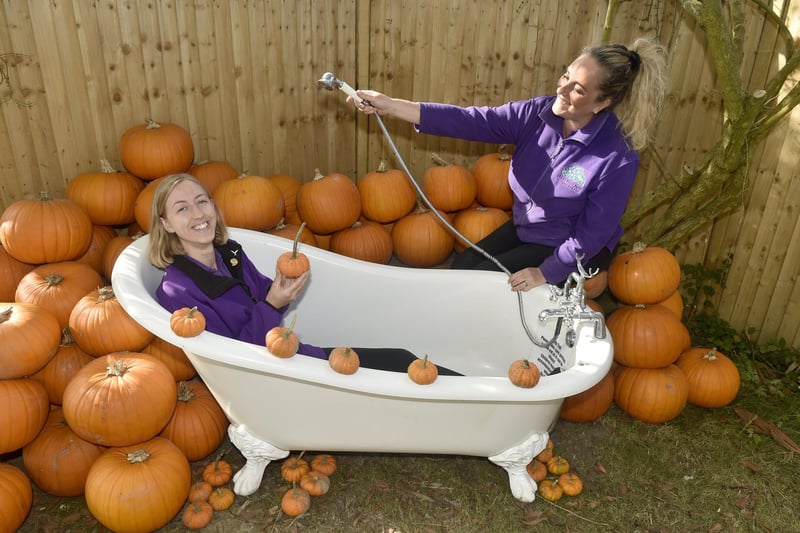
{"x":569,"y":193}
{"x":232,"y":299}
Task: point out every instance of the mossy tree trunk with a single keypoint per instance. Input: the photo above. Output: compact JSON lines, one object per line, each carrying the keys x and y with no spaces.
{"x":716,"y":185}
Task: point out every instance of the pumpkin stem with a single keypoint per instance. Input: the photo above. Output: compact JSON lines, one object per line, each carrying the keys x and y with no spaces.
{"x":105,"y":166}
{"x":711,"y":355}
{"x":116,"y":367}
{"x":139,"y":456}
{"x":526,"y":364}
{"x":286,"y":334}
{"x":105,"y":293}
{"x":66,"y":337}
{"x":191,"y":312}
{"x":639,"y":247}
{"x":503,"y":150}
{"x":44,"y":196}
{"x":425,"y":361}
{"x":53,"y":278}
{"x":185,"y":393}
{"x":317,"y":174}
{"x":382,"y":166}
{"x":152,"y":124}
{"x":297,"y":239}
{"x":5,"y":314}
{"x":439,"y":161}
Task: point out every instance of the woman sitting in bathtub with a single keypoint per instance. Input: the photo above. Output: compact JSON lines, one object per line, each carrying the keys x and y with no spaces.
{"x":204,"y":268}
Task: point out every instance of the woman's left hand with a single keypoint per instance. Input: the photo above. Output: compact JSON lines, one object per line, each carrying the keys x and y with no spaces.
{"x":526,"y":279}
{"x":285,"y":290}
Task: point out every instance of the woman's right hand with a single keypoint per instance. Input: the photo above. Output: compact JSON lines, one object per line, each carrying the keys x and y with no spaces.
{"x":375,"y":102}
{"x":285,"y":290}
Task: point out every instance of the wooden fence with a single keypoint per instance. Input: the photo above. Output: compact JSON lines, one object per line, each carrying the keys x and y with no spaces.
{"x":241,"y":76}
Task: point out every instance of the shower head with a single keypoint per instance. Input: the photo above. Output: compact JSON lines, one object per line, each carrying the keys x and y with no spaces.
{"x":330,"y":82}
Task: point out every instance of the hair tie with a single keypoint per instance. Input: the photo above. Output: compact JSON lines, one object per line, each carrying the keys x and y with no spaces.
{"x":635,"y":60}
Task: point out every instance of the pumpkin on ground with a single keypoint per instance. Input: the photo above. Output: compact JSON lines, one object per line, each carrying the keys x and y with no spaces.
{"x":570,"y":483}
{"x":250,"y":202}
{"x":58,"y":372}
{"x":155,"y":149}
{"x":221,"y":498}
{"x":294,"y":467}
{"x":58,"y":460}
{"x":107,"y":196}
{"x":103,"y":401}
{"x":646,"y":336}
{"x":294,"y":264}
{"x":422,"y":371}
{"x":386,"y":194}
{"x":537,"y":470}
{"x":200,"y":491}
{"x":713,"y":378}
{"x":212,"y":173}
{"x":364,"y":240}
{"x":23,"y":412}
{"x":652,"y":395}
{"x":550,"y":490}
{"x":328,"y":203}
{"x":315,"y":483}
{"x":197,"y":515}
{"x":420,"y":239}
{"x":295,"y":501}
{"x":449,"y":187}
{"x":218,"y":472}
{"x":557,"y":465}
{"x":475,"y":223}
{"x":644,"y":275}
{"x":45,"y":231}
{"x":491,"y":180}
{"x":282,"y":341}
{"x":139,"y":487}
{"x":198,"y":424}
{"x":16,"y":497}
{"x":29,"y":336}
{"x":344,"y":360}
{"x":523,"y":373}
{"x":324,"y":463}
{"x":187,"y":322}
{"x":590,"y":404}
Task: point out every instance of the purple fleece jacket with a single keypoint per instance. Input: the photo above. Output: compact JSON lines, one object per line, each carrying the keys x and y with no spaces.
{"x":569,"y":193}
{"x":240,"y":311}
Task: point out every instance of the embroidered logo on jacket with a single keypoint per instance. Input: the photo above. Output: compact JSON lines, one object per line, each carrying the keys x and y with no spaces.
{"x":573,"y":178}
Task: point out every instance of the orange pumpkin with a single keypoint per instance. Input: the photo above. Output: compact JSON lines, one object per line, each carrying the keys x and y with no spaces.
{"x":58,"y":460}
{"x":713,"y":378}
{"x":570,"y":483}
{"x":364,"y":240}
{"x":103,"y":401}
{"x":646,"y":336}
{"x":155,"y":149}
{"x":673,"y":302}
{"x":59,"y":371}
{"x":11,"y":272}
{"x":107,"y":196}
{"x":475,"y":223}
{"x":329,"y":203}
{"x":157,"y":470}
{"x":289,"y":231}
{"x":198,"y":425}
{"x":547,"y":453}
{"x":29,"y":336}
{"x":218,"y":472}
{"x":652,"y":395}
{"x":172,"y":356}
{"x":186,"y":322}
{"x":221,"y":498}
{"x":294,"y":467}
{"x":23,"y":412}
{"x":282,"y":341}
{"x":420,"y":239}
{"x":537,"y":470}
{"x":557,"y":465}
{"x":449,"y":187}
{"x":324,"y":463}
{"x":422,"y":371}
{"x":491,"y":180}
{"x":16,"y":496}
{"x":289,"y":185}
{"x":197,"y":515}
{"x":45,"y":230}
{"x":590,"y":404}
{"x":144,"y":204}
{"x":315,"y":483}
{"x":387,"y":194}
{"x":550,"y":490}
{"x":644,"y":275}
{"x":200,"y":491}
{"x":212,"y":173}
{"x":101,"y":236}
{"x":101,"y":326}
{"x":295,"y":502}
{"x":250,"y":202}
{"x":294,"y":264}
{"x":523,"y":373}
{"x":112,"y":250}
{"x":344,"y":360}
{"x":57,"y":287}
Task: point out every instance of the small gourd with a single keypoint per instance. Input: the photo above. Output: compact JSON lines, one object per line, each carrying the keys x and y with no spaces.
{"x":218,"y":473}
{"x":294,"y":264}
{"x":550,"y":490}
{"x":294,"y":468}
{"x":221,"y":498}
{"x":523,"y":373}
{"x":557,"y":465}
{"x":282,"y":341}
{"x":422,"y":371}
{"x":198,"y":514}
{"x":315,"y":483}
{"x":187,"y":322}
{"x":324,"y":463}
{"x":295,"y":501}
{"x":344,"y":360}
{"x":570,"y":483}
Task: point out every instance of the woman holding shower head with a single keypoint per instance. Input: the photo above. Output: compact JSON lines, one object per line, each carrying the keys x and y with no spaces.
{"x":574,"y":163}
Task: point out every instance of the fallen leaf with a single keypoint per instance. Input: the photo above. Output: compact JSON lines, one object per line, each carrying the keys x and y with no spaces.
{"x":753,"y":467}
{"x":623,"y":489}
{"x":381,"y":485}
{"x":423,"y":497}
{"x":762,"y":426}
{"x":600,"y":467}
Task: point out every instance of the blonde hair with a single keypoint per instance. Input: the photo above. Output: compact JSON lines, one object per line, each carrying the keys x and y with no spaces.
{"x":163,"y":244}
{"x":636,"y":77}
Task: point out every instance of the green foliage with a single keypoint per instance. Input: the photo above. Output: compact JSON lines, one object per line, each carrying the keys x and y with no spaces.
{"x":699,"y":284}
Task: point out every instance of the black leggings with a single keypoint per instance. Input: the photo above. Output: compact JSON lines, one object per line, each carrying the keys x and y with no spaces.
{"x":505,"y":246}
{"x":391,"y":359}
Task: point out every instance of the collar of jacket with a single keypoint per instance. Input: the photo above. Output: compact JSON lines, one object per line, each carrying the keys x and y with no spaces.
{"x":213,"y":285}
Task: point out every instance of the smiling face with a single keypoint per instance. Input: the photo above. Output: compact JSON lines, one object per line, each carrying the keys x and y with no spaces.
{"x":578,"y":94}
{"x":189,"y":213}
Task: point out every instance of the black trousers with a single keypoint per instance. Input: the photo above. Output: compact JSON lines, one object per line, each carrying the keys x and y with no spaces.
{"x":505,"y":246}
{"x":391,"y":359}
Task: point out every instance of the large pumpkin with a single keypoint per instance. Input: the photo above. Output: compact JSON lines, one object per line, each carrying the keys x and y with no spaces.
{"x":449,"y":187}
{"x":139,"y":487}
{"x":329,"y":203}
{"x":212,"y":173}
{"x":491,"y":180}
{"x":11,"y":272}
{"x":646,"y":336}
{"x":29,"y":338}
{"x":58,"y":460}
{"x":289,"y":185}
{"x":23,"y":412}
{"x":101,"y":237}
{"x":590,"y":404}
{"x":120,"y":399}
{"x":365,"y":240}
{"x":644,"y":275}
{"x":62,"y":367}
{"x":386,"y":194}
{"x":106,"y":196}
{"x":101,"y":326}
{"x":16,"y":497}
{"x":172,"y":356}
{"x":155,"y":149}
{"x":652,"y":395}
{"x":289,"y":231}
{"x":250,"y":202}
{"x":713,"y":378}
{"x":475,"y":223}
{"x":57,"y":287}
{"x":198,"y":424}
{"x":114,"y":247}
{"x":420,"y":239}
{"x":144,"y":204}
{"x":45,"y":230}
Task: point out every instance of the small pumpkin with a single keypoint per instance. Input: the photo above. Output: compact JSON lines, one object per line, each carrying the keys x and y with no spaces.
{"x":324,"y":463}
{"x":523,"y":373}
{"x":571,"y":484}
{"x":713,"y":378}
{"x":293,"y":468}
{"x":422,"y":371}
{"x":316,"y":483}
{"x":282,"y":341}
{"x":344,"y":360}
{"x":550,"y":490}
{"x":557,"y":465}
{"x":218,"y":472}
{"x":537,"y":470}
{"x":187,"y":322}
{"x":547,"y":453}
{"x":295,"y":501}
{"x":294,"y":264}
{"x":200,"y":491}
{"x":197,"y":515}
{"x":221,"y":498}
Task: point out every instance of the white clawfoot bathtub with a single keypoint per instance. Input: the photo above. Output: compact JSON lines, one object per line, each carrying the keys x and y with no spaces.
{"x":468,"y":321}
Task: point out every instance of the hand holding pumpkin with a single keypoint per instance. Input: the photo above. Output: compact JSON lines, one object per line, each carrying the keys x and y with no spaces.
{"x":285,"y":290}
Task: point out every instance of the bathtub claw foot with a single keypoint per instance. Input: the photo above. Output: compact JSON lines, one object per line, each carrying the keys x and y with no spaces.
{"x":258,"y":454}
{"x":516,"y":459}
